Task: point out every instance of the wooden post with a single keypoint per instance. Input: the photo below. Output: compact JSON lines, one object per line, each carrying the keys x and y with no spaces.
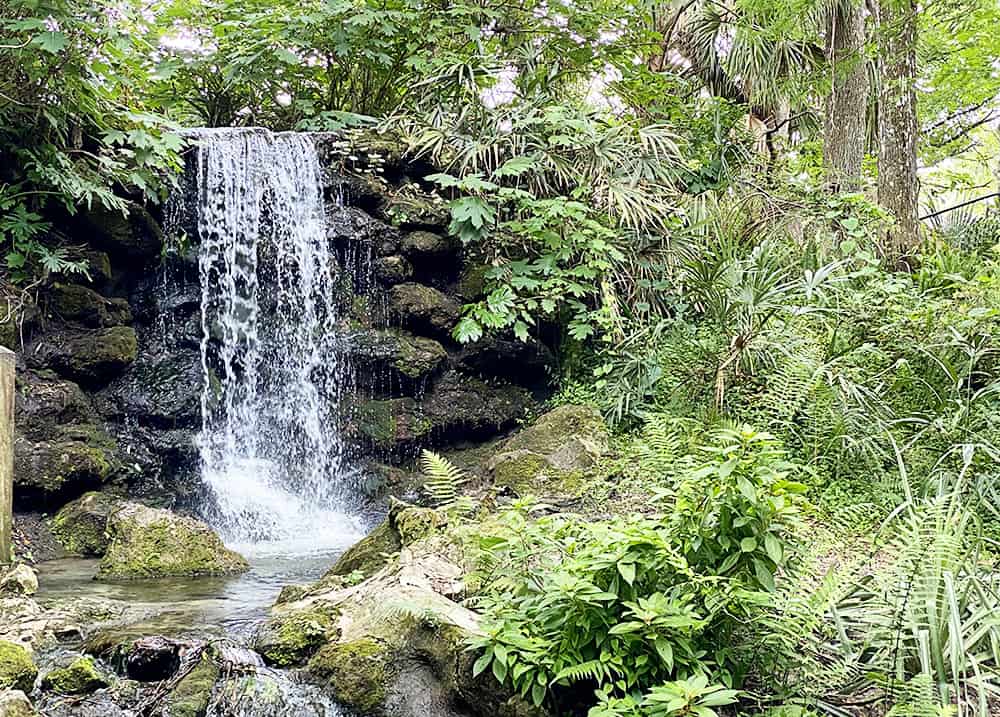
{"x":7,"y":364}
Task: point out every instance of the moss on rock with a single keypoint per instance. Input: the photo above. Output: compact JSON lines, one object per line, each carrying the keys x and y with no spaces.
{"x":82,"y":457}
{"x":81,"y":525}
{"x":150,"y":542}
{"x":92,"y":357}
{"x":288,"y":639}
{"x":357,"y":672}
{"x":192,"y":694}
{"x":80,"y":677}
{"x":423,"y":308}
{"x":413,"y":524}
{"x":17,"y":669}
{"x":369,"y":554}
{"x":83,"y":304}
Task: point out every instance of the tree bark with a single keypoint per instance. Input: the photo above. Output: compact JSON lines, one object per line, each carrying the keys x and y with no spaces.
{"x":897,"y":158}
{"x":7,"y":365}
{"x":847,"y":104}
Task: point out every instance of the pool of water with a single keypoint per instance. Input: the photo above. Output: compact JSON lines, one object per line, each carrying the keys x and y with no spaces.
{"x":225,"y":606}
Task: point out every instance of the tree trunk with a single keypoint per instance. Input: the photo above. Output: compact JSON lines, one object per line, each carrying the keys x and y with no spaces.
{"x":897,"y":156}
{"x":846,"y":105}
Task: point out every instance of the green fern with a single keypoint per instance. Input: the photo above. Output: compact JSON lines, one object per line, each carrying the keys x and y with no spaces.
{"x":443,"y":479}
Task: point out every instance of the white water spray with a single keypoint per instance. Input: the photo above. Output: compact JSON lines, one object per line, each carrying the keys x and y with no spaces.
{"x":271,"y":451}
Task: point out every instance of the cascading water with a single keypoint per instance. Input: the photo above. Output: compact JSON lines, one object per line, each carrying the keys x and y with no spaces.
{"x":273,"y":375}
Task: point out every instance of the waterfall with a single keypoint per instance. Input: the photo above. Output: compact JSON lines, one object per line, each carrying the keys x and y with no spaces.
{"x":272,"y":456}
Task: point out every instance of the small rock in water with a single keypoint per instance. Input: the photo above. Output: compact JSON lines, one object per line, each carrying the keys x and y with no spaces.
{"x":19,"y":580}
{"x":80,"y":677}
{"x":14,"y":703}
{"x":151,"y":659}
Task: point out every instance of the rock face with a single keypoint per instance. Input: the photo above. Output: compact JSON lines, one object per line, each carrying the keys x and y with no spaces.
{"x":549,"y":456}
{"x":149,"y":542}
{"x":88,"y":357}
{"x":17,"y":669}
{"x":424,"y":309}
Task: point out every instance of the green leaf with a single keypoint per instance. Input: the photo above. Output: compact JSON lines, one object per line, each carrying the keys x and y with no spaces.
{"x":772,"y":545}
{"x":666,"y":652}
{"x":481,"y":664}
{"x":51,"y":41}
{"x":748,"y":545}
{"x":627,"y":571}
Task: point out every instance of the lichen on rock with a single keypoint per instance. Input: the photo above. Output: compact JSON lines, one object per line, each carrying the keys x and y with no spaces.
{"x":80,"y":677}
{"x":17,"y":669}
{"x":150,"y":542}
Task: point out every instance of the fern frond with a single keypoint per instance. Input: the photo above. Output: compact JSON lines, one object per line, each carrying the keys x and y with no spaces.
{"x":443,"y":479}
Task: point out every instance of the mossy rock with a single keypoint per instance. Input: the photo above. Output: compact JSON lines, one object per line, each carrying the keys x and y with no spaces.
{"x":17,"y":669}
{"x":412,"y":208}
{"x":83,"y":458}
{"x":393,"y":269}
{"x":83,"y":304}
{"x":472,"y":282}
{"x":80,"y":677}
{"x":288,"y":639}
{"x":91,"y":357}
{"x":192,"y":694}
{"x":424,"y":245}
{"x":81,"y":525}
{"x":404,"y":357}
{"x":357,"y":672}
{"x":424,"y":309}
{"x":370,"y":554}
{"x":151,"y":543}
{"x":413,"y":523}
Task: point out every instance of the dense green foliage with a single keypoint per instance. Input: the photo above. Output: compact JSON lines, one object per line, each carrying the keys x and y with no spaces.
{"x":648,"y":181}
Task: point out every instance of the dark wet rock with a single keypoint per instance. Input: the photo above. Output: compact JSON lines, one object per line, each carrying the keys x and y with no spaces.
{"x":163,"y":389}
{"x":17,"y":669}
{"x":44,"y":402}
{"x":81,"y":525}
{"x":393,"y":269}
{"x":528,"y":363}
{"x":424,"y":246}
{"x":471,"y":284}
{"x":456,"y":408}
{"x":135,"y":236}
{"x":74,"y":302}
{"x":150,"y":542}
{"x":79,"y":677}
{"x":551,"y":455}
{"x":350,"y":226}
{"x":424,"y":309}
{"x":87,"y":357}
{"x":152,"y":659}
{"x":396,"y":356}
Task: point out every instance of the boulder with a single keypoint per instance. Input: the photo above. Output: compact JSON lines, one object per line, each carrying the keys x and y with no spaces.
{"x":550,"y":455}
{"x":14,"y":703}
{"x":81,"y":525}
{"x":89,"y":357}
{"x":424,"y":246}
{"x":150,"y":542}
{"x":398,"y":357}
{"x":162,"y":389}
{"x":19,"y":580}
{"x":290,"y":638}
{"x":74,"y":302}
{"x":394,"y":269}
{"x":80,"y":677}
{"x":412,"y":208}
{"x":17,"y":669}
{"x":349,"y":228}
{"x":134,"y":236}
{"x":355,"y":671}
{"x":456,"y":408}
{"x":424,"y":309}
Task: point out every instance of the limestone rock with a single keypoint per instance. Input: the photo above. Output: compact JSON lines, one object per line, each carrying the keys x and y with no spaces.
{"x":527,"y":363}
{"x":81,"y":525}
{"x":17,"y":669}
{"x":134,"y":236}
{"x":350,"y":228}
{"x":19,"y":580}
{"x":412,"y":208}
{"x":356,"y":672}
{"x":550,"y":455}
{"x":371,"y":553}
{"x":80,"y":677}
{"x":163,"y":389}
{"x":44,"y":402}
{"x":80,"y":303}
{"x":88,"y":357}
{"x":14,"y":703}
{"x":424,"y":309}
{"x":150,"y":542}
{"x":424,"y":245}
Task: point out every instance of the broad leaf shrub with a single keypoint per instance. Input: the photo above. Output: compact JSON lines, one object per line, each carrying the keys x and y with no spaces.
{"x":579,"y":612}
